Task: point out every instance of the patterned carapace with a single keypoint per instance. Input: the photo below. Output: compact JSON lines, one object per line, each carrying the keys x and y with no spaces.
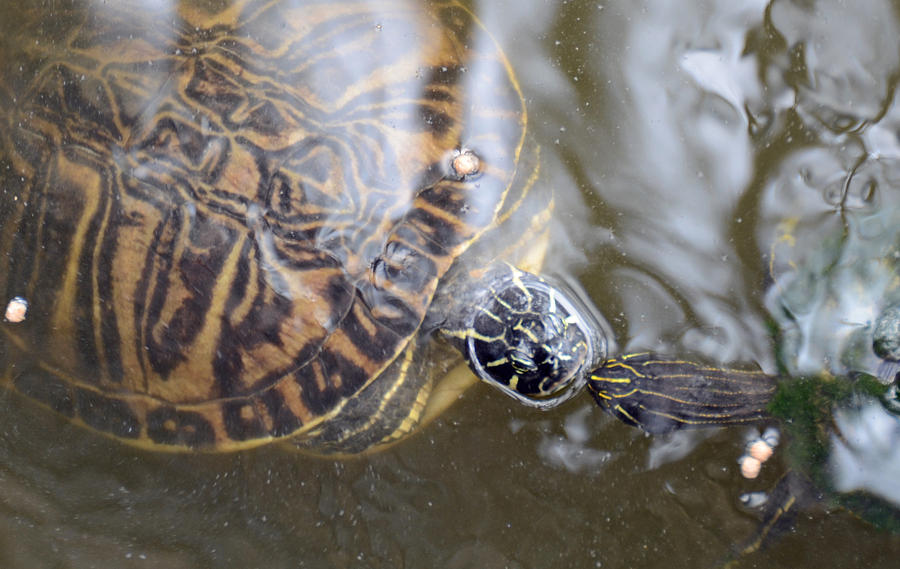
{"x":229,"y":223}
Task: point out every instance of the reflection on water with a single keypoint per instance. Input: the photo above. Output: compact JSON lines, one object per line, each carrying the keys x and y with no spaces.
{"x":571,"y":449}
{"x":694,"y":131}
{"x":865,"y":455}
{"x":683,"y":160}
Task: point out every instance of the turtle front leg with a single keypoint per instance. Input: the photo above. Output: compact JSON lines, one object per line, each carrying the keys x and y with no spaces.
{"x":661,"y":394}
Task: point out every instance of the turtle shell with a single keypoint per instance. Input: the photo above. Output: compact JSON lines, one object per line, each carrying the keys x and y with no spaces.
{"x":229,"y":220}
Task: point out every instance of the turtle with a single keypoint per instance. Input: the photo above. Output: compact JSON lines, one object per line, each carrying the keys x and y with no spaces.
{"x":223,"y":226}
{"x":230,"y":224}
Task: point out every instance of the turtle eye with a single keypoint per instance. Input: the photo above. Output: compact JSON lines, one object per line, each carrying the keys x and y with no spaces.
{"x":522,"y":363}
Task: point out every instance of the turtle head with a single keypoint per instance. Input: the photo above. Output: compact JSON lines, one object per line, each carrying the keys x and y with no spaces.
{"x":533,"y":339}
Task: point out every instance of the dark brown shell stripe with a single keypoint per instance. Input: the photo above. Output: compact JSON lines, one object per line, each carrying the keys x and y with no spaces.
{"x":224,"y":231}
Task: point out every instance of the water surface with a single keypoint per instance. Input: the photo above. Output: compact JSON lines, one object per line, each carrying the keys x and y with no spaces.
{"x":678,"y":136}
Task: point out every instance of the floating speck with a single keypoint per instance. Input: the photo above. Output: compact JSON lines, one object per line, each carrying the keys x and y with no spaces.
{"x":760,"y":450}
{"x":749,"y":467}
{"x":16,"y":310}
{"x":466,"y":163}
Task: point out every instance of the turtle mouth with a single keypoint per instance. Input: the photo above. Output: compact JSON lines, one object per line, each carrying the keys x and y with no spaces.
{"x":535,"y":340}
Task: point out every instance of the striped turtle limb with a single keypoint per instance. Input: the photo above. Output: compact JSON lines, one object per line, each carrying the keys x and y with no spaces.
{"x":659,"y":394}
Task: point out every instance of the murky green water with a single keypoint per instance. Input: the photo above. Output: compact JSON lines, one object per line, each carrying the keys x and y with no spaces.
{"x":680,"y":125}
